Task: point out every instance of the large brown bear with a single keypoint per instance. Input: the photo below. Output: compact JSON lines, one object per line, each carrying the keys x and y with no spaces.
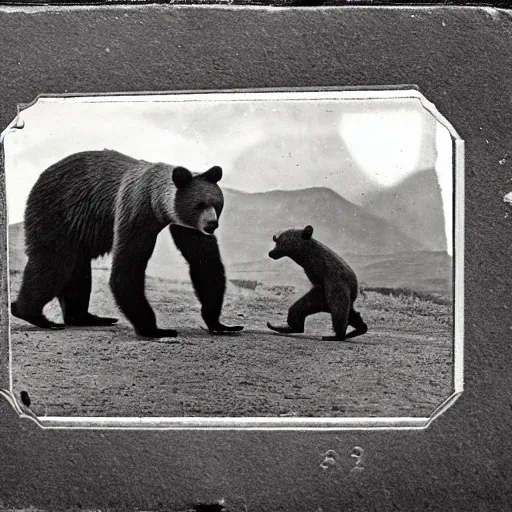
{"x":334,"y":285}
{"x":96,"y":202}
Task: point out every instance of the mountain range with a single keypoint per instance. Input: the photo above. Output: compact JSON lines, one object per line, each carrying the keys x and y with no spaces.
{"x":414,"y":206}
{"x":388,"y":250}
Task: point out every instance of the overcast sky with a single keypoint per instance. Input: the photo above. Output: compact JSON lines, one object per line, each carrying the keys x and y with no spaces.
{"x":353,"y":146}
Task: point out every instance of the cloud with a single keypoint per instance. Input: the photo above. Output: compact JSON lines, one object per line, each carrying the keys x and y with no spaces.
{"x":260,"y":144}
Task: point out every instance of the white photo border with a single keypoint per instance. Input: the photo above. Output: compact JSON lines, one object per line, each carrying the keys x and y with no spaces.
{"x":263,"y":423}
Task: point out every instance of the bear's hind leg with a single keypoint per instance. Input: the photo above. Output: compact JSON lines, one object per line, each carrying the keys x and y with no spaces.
{"x":311,"y":303}
{"x":131,"y":253}
{"x":356,"y":321}
{"x":37,"y":319}
{"x":42,"y":280}
{"x":339,"y":307}
{"x":74,"y":299}
{"x":340,"y":324}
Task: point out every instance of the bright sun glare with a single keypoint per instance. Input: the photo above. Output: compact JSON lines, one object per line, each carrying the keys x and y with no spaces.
{"x":386,"y":145}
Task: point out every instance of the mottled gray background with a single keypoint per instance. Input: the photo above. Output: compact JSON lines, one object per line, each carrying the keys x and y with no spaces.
{"x":460,"y":59}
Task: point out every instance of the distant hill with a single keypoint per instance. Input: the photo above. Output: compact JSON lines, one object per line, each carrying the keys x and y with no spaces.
{"x":249,"y":222}
{"x":425,"y":271}
{"x":166,"y":260}
{"x":381,"y":253}
{"x":415,"y":207}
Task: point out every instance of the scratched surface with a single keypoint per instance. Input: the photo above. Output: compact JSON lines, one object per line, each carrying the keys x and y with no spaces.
{"x":461,"y":60}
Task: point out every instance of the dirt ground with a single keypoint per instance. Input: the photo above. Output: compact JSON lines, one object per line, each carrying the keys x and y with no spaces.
{"x":402,"y":367}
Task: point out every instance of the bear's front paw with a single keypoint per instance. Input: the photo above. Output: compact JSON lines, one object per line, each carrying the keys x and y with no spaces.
{"x":158,"y":333}
{"x":224,"y":329}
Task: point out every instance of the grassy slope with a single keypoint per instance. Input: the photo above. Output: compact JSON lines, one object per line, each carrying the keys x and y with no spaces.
{"x":423,"y":271}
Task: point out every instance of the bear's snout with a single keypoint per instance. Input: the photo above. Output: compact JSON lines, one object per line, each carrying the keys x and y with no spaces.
{"x":208,"y":220}
{"x":211,"y":226}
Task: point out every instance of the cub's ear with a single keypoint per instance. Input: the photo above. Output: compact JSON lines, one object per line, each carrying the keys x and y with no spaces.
{"x":307,"y":233}
{"x":181,"y":177}
{"x":213,"y":175}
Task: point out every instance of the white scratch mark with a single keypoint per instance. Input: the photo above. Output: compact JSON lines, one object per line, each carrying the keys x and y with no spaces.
{"x":492,"y":12}
{"x":508,"y":198}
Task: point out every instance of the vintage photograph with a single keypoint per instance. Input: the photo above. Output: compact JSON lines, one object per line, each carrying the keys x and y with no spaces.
{"x":264,"y":254}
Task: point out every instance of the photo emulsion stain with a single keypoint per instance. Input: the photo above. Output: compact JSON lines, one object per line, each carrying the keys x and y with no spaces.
{"x":307,"y":271}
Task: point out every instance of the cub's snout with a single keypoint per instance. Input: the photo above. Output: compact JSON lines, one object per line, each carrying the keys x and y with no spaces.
{"x":275,"y":254}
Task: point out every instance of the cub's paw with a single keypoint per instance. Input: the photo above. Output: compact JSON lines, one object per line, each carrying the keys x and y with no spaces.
{"x":333,"y":338}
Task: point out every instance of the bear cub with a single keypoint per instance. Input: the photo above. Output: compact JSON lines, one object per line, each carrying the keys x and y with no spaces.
{"x":334,"y":285}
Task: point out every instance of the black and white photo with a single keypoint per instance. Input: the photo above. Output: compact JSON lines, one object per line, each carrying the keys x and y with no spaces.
{"x":223,"y":258}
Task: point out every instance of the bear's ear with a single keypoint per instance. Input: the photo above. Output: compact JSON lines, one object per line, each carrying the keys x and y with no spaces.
{"x":307,"y":233}
{"x":181,"y":177}
{"x":213,"y":175}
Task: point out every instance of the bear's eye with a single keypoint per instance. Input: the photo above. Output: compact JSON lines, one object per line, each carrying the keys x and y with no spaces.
{"x":201,"y":206}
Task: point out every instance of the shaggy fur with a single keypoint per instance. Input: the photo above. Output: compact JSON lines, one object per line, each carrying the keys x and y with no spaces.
{"x":96,"y":202}
{"x":334,"y":284}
